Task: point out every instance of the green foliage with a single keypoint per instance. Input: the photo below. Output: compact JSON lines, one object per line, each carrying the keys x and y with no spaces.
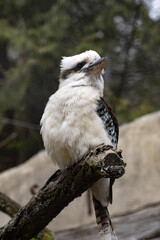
{"x":35,"y":34}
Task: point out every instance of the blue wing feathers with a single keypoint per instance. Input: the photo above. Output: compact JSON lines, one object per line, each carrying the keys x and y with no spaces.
{"x":109,"y":121}
{"x":111,"y":126}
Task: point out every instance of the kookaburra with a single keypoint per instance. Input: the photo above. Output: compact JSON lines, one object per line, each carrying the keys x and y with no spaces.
{"x":76,"y":119}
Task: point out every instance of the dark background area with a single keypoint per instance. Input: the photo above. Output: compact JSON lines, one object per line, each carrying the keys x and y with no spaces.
{"x":33,"y":37}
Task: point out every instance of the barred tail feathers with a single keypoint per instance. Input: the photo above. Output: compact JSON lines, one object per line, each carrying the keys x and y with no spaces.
{"x":105,"y":227}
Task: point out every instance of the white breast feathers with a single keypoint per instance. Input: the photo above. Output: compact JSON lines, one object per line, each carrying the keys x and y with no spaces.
{"x":70,"y":124}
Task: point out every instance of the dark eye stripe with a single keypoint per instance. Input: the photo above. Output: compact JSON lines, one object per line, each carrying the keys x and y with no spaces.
{"x":65,"y":73}
{"x":78,"y":67}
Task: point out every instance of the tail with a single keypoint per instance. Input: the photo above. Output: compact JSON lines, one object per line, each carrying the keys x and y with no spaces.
{"x":105,"y":227}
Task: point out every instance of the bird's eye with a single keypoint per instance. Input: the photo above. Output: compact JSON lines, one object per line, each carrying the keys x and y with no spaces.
{"x":80,"y":65}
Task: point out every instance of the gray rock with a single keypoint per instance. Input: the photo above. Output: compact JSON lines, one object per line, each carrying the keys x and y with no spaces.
{"x":140,"y":141}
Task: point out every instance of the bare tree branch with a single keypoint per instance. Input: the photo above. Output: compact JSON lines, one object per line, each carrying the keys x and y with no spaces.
{"x":8,"y":140}
{"x":10,"y":207}
{"x":128,"y":45}
{"x":60,"y":190}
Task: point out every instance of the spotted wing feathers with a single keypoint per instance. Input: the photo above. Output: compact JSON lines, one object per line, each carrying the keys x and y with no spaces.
{"x":111,"y":126}
{"x":109,"y":121}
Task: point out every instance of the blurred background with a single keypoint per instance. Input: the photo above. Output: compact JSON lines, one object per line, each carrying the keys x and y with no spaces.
{"x":34,"y":34}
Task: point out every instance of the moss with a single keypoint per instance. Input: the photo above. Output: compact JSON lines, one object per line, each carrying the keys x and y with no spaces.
{"x":45,"y":234}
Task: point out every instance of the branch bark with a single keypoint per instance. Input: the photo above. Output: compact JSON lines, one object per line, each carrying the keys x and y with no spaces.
{"x":10,"y":207}
{"x":60,"y":190}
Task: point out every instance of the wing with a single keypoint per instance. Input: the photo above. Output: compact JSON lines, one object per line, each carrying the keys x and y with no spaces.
{"x":111,"y":126}
{"x":109,"y":120}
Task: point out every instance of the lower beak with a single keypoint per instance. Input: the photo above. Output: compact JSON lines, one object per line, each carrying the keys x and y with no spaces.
{"x":97,"y":66}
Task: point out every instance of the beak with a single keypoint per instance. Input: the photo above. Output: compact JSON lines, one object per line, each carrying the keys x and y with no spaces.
{"x":96,"y":67}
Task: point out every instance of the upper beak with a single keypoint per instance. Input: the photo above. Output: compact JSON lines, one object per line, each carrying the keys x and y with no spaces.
{"x":96,"y":67}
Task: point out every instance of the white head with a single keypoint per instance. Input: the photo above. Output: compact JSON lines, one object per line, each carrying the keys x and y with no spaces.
{"x":84,"y":69}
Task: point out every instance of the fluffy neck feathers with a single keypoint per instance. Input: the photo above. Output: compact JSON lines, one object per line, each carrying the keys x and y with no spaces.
{"x":79,"y":80}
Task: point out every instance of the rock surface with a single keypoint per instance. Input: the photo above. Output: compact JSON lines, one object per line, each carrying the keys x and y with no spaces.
{"x":140,"y":141}
{"x":138,"y":225}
